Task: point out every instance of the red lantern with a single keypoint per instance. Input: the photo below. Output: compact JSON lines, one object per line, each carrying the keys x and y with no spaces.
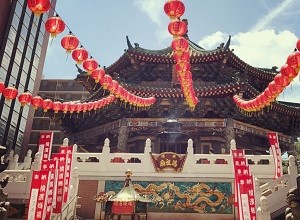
{"x":72,"y":107}
{"x":55,"y":25}
{"x":39,"y":7}
{"x":293,"y":60}
{"x":69,"y":42}
{"x":89,"y":65}
{"x":2,"y":87}
{"x":181,"y":56}
{"x":263,"y":99}
{"x":183,"y":66}
{"x":65,"y":107}
{"x":119,"y":91}
{"x":80,"y":54}
{"x":57,"y":106}
{"x":288,"y":71}
{"x":85,"y":106}
{"x":36,"y":102}
{"x":113,"y":88}
{"x":275,"y":89}
{"x":47,"y":104}
{"x":180,"y":44}
{"x":10,"y":93}
{"x":281,"y":80}
{"x":96,"y":105}
{"x":25,"y":98}
{"x":177,"y":28}
{"x":174,"y":8}
{"x":106,"y":81}
{"x":101,"y":103}
{"x":268,"y":93}
{"x":79,"y":107}
{"x":98,"y":74}
{"x":90,"y":106}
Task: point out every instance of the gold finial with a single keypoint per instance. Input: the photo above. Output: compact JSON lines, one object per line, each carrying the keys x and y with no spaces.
{"x":128,"y":173}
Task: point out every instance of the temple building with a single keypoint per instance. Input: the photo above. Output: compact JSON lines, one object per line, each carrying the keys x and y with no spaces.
{"x":217,"y":75}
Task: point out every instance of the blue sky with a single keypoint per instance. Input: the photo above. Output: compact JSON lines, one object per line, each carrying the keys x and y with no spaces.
{"x":264,"y":32}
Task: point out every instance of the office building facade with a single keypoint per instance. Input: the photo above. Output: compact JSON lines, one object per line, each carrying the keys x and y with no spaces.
{"x":23,"y":46}
{"x":55,"y":89}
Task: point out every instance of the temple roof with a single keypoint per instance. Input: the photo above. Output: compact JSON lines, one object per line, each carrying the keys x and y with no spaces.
{"x":218,"y":74}
{"x":198,"y":55}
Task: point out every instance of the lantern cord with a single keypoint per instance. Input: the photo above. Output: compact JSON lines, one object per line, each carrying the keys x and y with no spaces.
{"x":95,"y":86}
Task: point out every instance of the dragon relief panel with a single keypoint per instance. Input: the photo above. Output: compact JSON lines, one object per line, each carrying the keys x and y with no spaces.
{"x":188,"y":197}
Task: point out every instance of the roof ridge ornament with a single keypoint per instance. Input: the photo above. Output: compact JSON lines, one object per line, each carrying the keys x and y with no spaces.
{"x":129,"y":45}
{"x":228,"y":43}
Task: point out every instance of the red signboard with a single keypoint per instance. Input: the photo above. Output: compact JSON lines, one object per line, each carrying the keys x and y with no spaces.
{"x":168,"y":161}
{"x":45,"y":144}
{"x":238,"y":157}
{"x":38,"y":195}
{"x":51,"y":166}
{"x":244,"y":186}
{"x":60,"y":183}
{"x":123,"y":207}
{"x":69,"y":151}
{"x":273,"y":139}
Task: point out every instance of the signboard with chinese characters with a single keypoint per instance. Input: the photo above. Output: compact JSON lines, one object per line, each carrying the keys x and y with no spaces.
{"x":45,"y":144}
{"x":273,"y":139}
{"x":60,"y":183}
{"x":123,"y":207}
{"x":51,"y":166}
{"x":38,"y":195}
{"x":168,"y":161}
{"x":69,"y":151}
{"x":244,"y":186}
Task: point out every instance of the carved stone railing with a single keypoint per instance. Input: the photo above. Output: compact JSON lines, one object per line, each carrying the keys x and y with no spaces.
{"x":271,"y":196}
{"x":19,"y":182}
{"x":212,"y":166}
{"x":200,"y":165}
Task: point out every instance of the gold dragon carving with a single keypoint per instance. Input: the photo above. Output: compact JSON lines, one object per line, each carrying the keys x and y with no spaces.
{"x":196,"y":197}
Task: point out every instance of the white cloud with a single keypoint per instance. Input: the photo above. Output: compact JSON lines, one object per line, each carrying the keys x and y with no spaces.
{"x":153,"y":8}
{"x":272,"y":14}
{"x":264,"y":49}
{"x":261,"y":48}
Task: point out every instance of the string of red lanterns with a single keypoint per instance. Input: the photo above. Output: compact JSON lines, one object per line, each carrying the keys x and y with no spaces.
{"x":55,"y":25}
{"x":39,"y":7}
{"x":36,"y":102}
{"x":287,"y":73}
{"x":175,"y":9}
